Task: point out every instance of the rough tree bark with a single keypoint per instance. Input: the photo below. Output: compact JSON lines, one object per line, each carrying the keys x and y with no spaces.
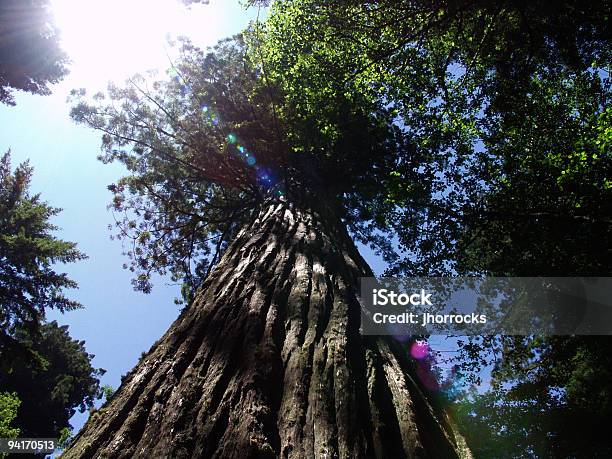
{"x":268,"y":361}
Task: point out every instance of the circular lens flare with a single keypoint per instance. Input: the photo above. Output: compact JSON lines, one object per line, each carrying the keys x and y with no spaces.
{"x":419,"y":350}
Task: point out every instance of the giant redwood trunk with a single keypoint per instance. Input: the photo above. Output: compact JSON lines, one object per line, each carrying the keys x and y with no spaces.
{"x":268,"y":361}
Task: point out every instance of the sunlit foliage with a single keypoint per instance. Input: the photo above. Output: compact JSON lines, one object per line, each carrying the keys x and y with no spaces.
{"x":9,"y":404}
{"x":30,"y":54}
{"x":207,"y":146}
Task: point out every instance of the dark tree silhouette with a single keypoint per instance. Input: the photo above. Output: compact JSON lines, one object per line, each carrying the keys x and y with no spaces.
{"x":44,"y":374}
{"x":52,"y":389}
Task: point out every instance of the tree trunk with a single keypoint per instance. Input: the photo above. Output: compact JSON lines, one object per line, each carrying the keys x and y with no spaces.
{"x":268,"y":361}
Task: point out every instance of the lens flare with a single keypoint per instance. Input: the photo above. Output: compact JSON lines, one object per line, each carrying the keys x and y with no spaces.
{"x":419,"y":350}
{"x":264,"y":177}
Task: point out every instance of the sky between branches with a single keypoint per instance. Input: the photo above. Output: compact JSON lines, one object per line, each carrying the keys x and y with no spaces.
{"x":111,"y":40}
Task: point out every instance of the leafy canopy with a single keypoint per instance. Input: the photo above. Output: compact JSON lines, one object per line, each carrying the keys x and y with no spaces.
{"x":455,"y":138}
{"x":431,"y":132}
{"x":205,"y":148}
{"x":492,"y":97}
{"x":554,"y":405}
{"x":9,"y":404}
{"x":51,"y":393}
{"x":30,"y":54}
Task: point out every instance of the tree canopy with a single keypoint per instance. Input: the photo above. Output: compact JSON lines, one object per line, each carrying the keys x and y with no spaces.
{"x":454,"y":137}
{"x":45,"y":374}
{"x":51,"y":392}
{"x":206,"y":147}
{"x":488,"y":95}
{"x":466,"y":136}
{"x":30,"y":54}
{"x":554,"y":406}
{"x":29,"y":281}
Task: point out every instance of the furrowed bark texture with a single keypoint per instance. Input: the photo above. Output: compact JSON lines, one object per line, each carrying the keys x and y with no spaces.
{"x":268,"y":361}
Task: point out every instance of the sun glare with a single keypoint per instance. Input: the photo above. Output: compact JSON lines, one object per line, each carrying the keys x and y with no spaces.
{"x":113,"y":39}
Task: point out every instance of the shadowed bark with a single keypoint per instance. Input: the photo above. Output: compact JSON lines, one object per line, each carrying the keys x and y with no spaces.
{"x":268,"y":361}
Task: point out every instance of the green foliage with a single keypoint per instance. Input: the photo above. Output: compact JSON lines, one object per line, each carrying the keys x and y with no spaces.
{"x":207,"y":147}
{"x":51,"y":394}
{"x":188,"y":189}
{"x":50,"y":372}
{"x":505,"y":106}
{"x":9,"y":404}
{"x":555,"y":402}
{"x":65,"y":438}
{"x":107,"y":392}
{"x":481,"y":92}
{"x":29,"y":282}
{"x":30,"y":55}
{"x":547,"y":210}
{"x":453,"y":137}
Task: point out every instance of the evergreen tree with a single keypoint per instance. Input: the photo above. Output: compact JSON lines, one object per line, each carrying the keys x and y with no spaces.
{"x":453,"y":137}
{"x":51,"y":391}
{"x":29,"y":281}
{"x":267,"y":359}
{"x":45,"y":375}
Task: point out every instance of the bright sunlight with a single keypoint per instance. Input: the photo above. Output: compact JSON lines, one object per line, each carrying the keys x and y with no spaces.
{"x":113,"y":39}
